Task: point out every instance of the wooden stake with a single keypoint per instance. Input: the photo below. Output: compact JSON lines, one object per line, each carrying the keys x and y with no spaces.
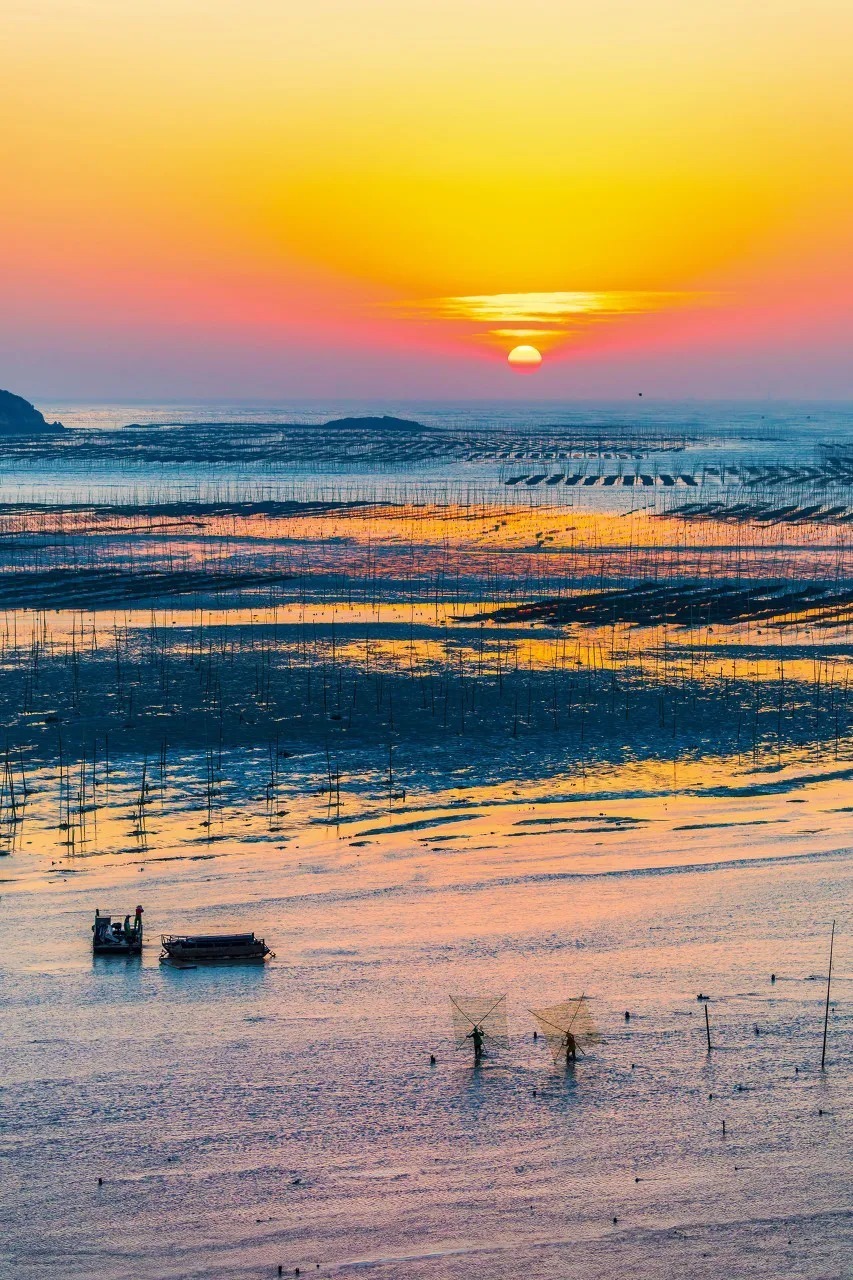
{"x":708,"y":1028}
{"x":826,"y":1010}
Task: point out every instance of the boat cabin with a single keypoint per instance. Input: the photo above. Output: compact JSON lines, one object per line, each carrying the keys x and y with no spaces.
{"x":197,"y":948}
{"x":113,"y":938}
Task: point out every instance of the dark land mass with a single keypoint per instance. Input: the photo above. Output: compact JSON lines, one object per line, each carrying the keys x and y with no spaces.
{"x":385,"y":423}
{"x":686,"y":604}
{"x":19,"y":417}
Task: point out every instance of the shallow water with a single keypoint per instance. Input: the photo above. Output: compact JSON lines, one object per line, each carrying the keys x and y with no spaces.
{"x":246,"y":1118}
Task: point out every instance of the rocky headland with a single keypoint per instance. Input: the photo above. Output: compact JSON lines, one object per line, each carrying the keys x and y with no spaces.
{"x":19,"y":417}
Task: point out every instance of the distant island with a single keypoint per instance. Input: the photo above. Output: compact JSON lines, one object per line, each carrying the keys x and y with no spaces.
{"x":18,"y":416}
{"x":385,"y":423}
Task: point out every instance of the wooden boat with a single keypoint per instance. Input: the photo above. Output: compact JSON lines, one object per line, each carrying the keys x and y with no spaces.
{"x":110,"y":938}
{"x":212,"y":948}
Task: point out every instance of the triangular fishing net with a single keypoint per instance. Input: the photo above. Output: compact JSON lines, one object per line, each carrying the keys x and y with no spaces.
{"x":488,"y":1012}
{"x":570,"y":1018}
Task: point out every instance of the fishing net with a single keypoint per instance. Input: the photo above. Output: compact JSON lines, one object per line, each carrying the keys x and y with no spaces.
{"x":559,"y":1021}
{"x":488,"y":1012}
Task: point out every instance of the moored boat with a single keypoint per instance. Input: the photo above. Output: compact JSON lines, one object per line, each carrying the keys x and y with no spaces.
{"x":213,"y":947}
{"x":111,"y":938}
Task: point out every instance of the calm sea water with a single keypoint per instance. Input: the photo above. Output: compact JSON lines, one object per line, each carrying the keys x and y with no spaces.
{"x":243,"y":1119}
{"x":766,"y":433}
{"x":799,"y":418}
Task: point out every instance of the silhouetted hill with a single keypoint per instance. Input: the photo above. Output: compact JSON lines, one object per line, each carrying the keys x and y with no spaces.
{"x":385,"y":423}
{"x":19,"y":416}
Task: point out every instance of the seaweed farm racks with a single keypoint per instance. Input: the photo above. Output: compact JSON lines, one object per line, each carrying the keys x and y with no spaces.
{"x":189,"y":949}
{"x":111,"y":938}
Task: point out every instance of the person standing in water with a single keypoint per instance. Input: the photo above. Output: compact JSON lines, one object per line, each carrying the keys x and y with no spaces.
{"x":477,"y":1036}
{"x":571,"y":1049}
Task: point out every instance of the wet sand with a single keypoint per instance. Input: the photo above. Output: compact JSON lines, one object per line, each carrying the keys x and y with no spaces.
{"x":242,"y":1118}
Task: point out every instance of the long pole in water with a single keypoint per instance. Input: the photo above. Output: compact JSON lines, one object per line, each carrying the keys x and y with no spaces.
{"x":707,"y":1027}
{"x":826,"y":1010}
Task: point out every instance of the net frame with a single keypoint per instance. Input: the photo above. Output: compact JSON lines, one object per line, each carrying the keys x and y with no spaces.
{"x":571,"y":1015}
{"x":488,"y":1012}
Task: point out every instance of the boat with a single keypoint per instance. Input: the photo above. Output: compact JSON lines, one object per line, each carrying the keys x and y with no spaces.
{"x":206,"y":948}
{"x":112,"y":938}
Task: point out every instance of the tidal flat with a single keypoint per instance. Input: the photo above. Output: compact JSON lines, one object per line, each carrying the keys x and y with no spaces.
{"x":530,"y":700}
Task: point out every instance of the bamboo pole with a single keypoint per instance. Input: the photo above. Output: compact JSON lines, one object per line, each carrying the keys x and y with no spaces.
{"x":826,"y":1010}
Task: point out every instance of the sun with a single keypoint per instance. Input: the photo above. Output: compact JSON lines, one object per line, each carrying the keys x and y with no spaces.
{"x":524,"y":359}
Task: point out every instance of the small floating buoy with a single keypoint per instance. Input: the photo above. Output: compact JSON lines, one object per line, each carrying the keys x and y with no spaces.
{"x":432,"y":1064}
{"x":615,"y":1220}
{"x":100,"y":1182}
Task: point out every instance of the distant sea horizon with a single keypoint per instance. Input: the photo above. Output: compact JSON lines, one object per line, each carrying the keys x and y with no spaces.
{"x":439,"y":401}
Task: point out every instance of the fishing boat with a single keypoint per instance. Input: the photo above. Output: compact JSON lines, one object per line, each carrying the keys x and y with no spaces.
{"x":112,"y":938}
{"x":213,"y":947}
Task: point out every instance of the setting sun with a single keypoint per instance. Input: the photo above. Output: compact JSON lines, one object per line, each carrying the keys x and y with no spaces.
{"x":525,"y":359}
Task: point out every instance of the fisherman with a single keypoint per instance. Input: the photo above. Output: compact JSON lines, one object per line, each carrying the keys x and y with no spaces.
{"x":477,"y":1036}
{"x":571,"y":1048}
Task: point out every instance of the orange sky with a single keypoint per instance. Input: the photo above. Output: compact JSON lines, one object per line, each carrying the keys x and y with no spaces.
{"x":271,"y":199}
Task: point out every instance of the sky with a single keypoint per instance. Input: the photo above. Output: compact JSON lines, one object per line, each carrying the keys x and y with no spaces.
{"x":271,"y":198}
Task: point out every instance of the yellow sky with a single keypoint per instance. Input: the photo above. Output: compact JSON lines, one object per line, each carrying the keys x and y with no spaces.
{"x":383,"y":150}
